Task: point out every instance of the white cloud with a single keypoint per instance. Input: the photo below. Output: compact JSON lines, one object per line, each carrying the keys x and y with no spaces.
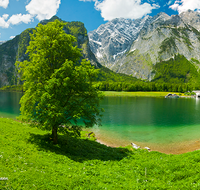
{"x":18,"y":18}
{"x":3,"y":23}
{"x":14,"y":19}
{"x":184,"y":5}
{"x":5,"y":16}
{"x":4,"y":3}
{"x":43,"y":9}
{"x":170,"y":2}
{"x":11,"y":37}
{"x":132,"y":9}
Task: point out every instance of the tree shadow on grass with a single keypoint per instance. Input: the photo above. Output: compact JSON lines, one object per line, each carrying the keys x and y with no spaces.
{"x":78,"y":149}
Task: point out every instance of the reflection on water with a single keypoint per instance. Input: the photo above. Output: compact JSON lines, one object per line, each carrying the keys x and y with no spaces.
{"x":197,"y":103}
{"x":9,"y":104}
{"x":150,"y":111}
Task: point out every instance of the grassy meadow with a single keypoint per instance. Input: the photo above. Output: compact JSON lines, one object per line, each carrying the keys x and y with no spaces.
{"x":29,"y":160}
{"x":140,"y":94}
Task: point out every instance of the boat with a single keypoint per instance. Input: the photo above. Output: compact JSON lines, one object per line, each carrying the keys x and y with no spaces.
{"x":171,"y":96}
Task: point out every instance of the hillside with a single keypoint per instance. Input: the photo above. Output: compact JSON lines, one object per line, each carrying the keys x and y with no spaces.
{"x":176,"y":70}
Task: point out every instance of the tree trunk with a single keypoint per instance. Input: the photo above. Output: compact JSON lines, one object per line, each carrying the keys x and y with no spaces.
{"x":55,"y":135}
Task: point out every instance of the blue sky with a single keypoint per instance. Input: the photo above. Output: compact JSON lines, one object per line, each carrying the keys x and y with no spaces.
{"x":18,"y":15}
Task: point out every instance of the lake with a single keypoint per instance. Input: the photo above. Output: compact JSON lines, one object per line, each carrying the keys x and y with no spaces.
{"x":166,"y":125}
{"x":9,"y":104}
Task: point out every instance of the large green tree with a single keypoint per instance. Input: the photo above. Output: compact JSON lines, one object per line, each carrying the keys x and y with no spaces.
{"x":58,"y":88}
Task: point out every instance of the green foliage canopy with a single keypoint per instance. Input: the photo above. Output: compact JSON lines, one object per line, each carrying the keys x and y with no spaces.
{"x":58,"y":89}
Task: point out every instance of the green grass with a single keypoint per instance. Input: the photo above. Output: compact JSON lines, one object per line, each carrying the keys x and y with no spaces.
{"x":30,"y":161}
{"x":141,"y":94}
{"x":13,"y":88}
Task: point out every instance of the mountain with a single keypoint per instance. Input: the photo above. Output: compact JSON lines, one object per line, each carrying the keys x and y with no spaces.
{"x":8,"y":55}
{"x":1,"y":42}
{"x":137,"y":47}
{"x":111,"y":40}
{"x":151,"y":49}
{"x":15,"y":49}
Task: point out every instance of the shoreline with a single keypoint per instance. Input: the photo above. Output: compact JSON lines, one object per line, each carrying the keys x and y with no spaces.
{"x":170,"y":148}
{"x":174,"y":148}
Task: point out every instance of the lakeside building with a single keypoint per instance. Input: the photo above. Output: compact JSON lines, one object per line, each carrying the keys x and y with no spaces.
{"x":197,"y":92}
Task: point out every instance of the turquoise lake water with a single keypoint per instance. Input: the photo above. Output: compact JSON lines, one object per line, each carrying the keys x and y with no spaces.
{"x":9,"y":104}
{"x":150,"y":120}
{"x":144,"y":120}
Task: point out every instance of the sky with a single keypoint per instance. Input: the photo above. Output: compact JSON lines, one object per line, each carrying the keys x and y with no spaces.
{"x":18,"y":15}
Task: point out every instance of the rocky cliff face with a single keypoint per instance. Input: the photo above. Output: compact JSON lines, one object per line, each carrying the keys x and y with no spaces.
{"x":15,"y":49}
{"x":191,"y":18}
{"x":8,"y":53}
{"x":155,"y":39}
{"x":111,"y":40}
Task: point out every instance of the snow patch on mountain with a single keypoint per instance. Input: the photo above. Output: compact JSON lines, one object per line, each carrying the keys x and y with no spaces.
{"x":114,"y":56}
